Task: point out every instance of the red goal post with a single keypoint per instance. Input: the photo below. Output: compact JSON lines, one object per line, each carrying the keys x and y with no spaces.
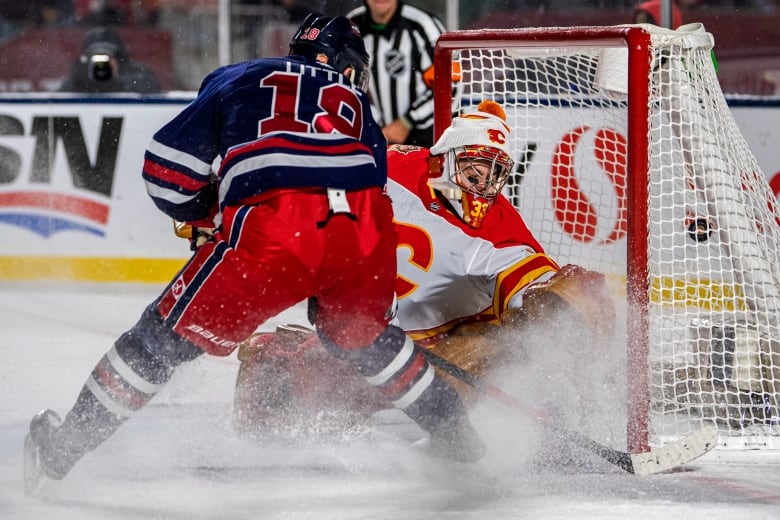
{"x":629,"y":162}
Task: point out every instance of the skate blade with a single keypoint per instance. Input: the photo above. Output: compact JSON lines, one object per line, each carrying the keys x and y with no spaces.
{"x":34,"y":478}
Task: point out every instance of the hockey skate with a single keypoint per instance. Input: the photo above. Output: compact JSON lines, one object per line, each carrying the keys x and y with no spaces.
{"x":36,"y":470}
{"x":457,"y":441}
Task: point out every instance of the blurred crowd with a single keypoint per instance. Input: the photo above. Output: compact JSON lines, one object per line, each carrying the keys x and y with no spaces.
{"x":179,"y":39}
{"x":17,"y":16}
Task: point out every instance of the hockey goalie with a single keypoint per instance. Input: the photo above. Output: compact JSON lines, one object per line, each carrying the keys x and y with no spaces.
{"x":472,"y":280}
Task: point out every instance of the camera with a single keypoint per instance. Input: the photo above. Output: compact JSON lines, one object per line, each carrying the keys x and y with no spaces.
{"x":100,"y":68}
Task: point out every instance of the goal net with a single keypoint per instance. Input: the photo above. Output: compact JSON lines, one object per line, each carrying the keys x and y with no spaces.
{"x":630,"y":163}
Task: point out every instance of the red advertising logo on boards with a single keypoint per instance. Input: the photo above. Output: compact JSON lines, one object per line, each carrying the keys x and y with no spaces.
{"x":573,"y":209}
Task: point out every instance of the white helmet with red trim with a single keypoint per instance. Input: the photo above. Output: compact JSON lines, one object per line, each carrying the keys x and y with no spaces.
{"x":476,"y":159}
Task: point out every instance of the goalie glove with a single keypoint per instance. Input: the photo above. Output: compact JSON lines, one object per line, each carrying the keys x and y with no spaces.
{"x":573,"y":290}
{"x":196,"y":235}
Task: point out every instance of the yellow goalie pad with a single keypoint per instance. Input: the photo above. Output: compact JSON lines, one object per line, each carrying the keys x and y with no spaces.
{"x":475,"y":350}
{"x":573,"y":293}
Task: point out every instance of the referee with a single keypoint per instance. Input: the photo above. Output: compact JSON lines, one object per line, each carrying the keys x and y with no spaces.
{"x":400,"y":39}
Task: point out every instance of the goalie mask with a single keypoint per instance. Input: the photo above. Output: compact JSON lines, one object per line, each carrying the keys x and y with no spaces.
{"x":476,"y":160}
{"x":338,"y":39}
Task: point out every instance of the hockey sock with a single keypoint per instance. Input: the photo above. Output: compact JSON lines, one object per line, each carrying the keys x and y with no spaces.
{"x":123,"y":382}
{"x":396,"y":366}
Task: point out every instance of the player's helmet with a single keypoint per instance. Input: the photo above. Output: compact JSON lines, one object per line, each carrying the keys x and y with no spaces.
{"x":338,"y":39}
{"x":475,"y":149}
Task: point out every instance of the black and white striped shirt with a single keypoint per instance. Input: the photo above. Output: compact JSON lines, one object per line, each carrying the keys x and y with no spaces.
{"x":401,"y":51}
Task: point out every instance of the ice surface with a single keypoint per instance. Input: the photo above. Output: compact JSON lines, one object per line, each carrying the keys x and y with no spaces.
{"x":180,"y":459}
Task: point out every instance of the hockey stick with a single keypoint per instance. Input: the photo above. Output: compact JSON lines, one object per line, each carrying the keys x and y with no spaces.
{"x":656,"y":460}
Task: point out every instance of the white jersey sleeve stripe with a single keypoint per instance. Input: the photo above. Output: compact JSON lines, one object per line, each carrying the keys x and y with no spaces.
{"x":172,"y":196}
{"x":177,"y":156}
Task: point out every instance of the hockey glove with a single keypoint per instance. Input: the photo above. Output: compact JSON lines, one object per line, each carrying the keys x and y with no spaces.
{"x":196,"y":235}
{"x":574,"y":290}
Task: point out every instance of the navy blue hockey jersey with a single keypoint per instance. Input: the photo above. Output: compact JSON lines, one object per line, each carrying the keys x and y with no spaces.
{"x":237,"y":104}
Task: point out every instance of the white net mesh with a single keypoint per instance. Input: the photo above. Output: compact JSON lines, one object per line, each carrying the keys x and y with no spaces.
{"x":713,"y":227}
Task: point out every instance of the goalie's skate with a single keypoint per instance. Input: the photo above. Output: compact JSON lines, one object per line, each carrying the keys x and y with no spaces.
{"x":36,"y":474}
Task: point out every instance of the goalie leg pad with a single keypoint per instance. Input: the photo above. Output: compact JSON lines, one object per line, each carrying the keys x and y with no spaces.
{"x":287,"y":341}
{"x":287,"y":379}
{"x":477,"y":354}
{"x":264,"y":395}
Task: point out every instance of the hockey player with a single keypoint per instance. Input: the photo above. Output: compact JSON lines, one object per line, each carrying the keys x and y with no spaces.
{"x":469,"y":271}
{"x":302,"y":214}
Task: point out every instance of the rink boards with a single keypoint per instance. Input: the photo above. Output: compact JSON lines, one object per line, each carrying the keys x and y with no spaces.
{"x":73,"y":205}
